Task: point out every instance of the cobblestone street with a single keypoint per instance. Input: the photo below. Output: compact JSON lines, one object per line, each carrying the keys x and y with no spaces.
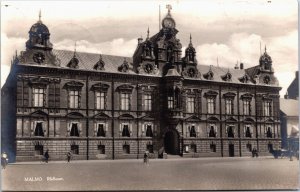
{"x":185,"y":174}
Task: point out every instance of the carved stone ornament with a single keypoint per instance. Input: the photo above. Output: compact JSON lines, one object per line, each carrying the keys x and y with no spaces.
{"x":124,"y":67}
{"x":38,"y":57}
{"x":73,"y":63}
{"x":245,"y":78}
{"x":227,"y":76}
{"x":100,"y":64}
{"x":209,"y":75}
{"x":191,"y":72}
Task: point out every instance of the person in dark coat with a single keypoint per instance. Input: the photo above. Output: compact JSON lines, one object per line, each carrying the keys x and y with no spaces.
{"x":46,"y":156}
{"x":69,"y":155}
{"x":145,"y":157}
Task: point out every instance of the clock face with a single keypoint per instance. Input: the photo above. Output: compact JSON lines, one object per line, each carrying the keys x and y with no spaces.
{"x":39,"y":57}
{"x":148,"y":68}
{"x":169,"y":23}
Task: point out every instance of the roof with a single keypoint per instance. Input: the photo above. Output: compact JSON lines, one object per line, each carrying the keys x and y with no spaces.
{"x":289,"y":107}
{"x":87,"y":61}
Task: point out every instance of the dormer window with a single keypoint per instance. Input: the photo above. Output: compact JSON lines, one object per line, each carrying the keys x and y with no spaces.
{"x":124,"y":67}
{"x":227,"y":77}
{"x":100,"y":64}
{"x":73,"y":63}
{"x":209,"y":75}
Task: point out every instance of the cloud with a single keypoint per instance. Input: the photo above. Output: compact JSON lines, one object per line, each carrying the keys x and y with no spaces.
{"x":245,"y":48}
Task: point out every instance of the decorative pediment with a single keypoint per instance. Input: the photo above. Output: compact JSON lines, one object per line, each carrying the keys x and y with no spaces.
{"x":209,"y":75}
{"x":250,"y":120}
{"x":229,"y":95}
{"x":39,"y":81}
{"x":269,"y":120}
{"x":73,"y":63}
{"x":231,"y":119}
{"x":227,"y":76}
{"x":39,"y":113}
{"x":147,"y":117}
{"x":211,"y":94}
{"x":124,"y":67}
{"x":101,"y":116}
{"x":73,"y":85}
{"x":100,"y":64}
{"x":74,"y":115}
{"x":213,"y":119}
{"x":126,"y":116}
{"x":125,"y":88}
{"x":247,"y":96}
{"x":193,"y":118}
{"x":245,"y":79}
{"x":100,"y":87}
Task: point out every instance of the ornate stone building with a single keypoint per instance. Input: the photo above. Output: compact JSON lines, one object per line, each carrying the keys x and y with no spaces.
{"x":160,"y":100}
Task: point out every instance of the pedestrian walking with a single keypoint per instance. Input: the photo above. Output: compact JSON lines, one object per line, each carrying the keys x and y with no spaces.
{"x":4,"y":160}
{"x":46,"y":156}
{"x":145,"y":157}
{"x":69,"y":155}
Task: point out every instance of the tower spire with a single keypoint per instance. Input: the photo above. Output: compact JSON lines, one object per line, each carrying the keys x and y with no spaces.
{"x":75,"y":49}
{"x":148,"y":33}
{"x":40,"y":16}
{"x":190,"y":38}
{"x":169,"y":7}
{"x":265,"y":48}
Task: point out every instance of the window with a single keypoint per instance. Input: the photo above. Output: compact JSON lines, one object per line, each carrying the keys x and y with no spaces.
{"x":170,"y":102}
{"x":267,"y":108}
{"x":39,"y":131}
{"x":125,"y":130}
{"x":39,"y":149}
{"x":248,"y":131}
{"x":75,"y":149}
{"x":147,"y":102}
{"x":192,"y":131}
{"x":126,"y":149}
{"x":210,"y":105}
{"x":100,"y":130}
{"x":38,"y":97}
{"x":149,"y":132}
{"x":74,"y":132}
{"x":249,"y":147}
{"x":230,"y":131}
{"x":190,"y":105}
{"x":213,"y":147}
{"x":246,"y":107}
{"x":101,"y":149}
{"x":150,"y":148}
{"x":193,"y":148}
{"x":212,"y":131}
{"x":270,"y":147}
{"x":269,"y":132}
{"x":229,"y":106}
{"x":100,"y":100}
{"x":125,"y":101}
{"x":73,"y":99}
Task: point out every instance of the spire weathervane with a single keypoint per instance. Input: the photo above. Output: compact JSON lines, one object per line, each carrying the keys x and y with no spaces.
{"x":75,"y":49}
{"x":148,"y":33}
{"x":40,"y":16}
{"x":169,"y":7}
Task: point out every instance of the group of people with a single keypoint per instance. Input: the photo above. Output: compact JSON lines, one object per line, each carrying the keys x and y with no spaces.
{"x":46,"y":156}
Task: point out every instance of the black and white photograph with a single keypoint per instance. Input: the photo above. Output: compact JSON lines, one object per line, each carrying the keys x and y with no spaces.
{"x":149,"y":95}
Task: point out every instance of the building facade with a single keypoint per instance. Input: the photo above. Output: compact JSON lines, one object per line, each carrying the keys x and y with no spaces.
{"x":160,"y":100}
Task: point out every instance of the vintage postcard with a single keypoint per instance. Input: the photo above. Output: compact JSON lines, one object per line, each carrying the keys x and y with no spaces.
{"x":149,"y":95}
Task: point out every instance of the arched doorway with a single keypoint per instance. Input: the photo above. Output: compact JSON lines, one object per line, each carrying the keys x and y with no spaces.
{"x":171,"y":142}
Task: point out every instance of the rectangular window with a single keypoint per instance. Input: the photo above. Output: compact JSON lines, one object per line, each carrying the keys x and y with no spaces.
{"x":210,"y":105}
{"x":74,"y":131}
{"x":249,"y":147}
{"x":38,"y":97}
{"x":100,"y":130}
{"x":126,"y":149}
{"x":192,"y":131}
{"x":246,"y":107}
{"x":39,"y":131}
{"x":100,"y":100}
{"x":150,"y":148}
{"x":125,"y":101}
{"x":213,"y":147}
{"x":269,"y":132}
{"x":125,"y":130}
{"x":39,"y":150}
{"x":228,"y":106}
{"x":170,"y":102}
{"x":101,"y":149}
{"x":248,"y":131}
{"x":74,"y":99}
{"x":193,"y":148}
{"x":212,"y":131}
{"x":230,"y":131}
{"x":147,"y":102}
{"x":190,"y":105}
{"x":268,"y":108}
{"x":149,"y":132}
{"x":75,"y":149}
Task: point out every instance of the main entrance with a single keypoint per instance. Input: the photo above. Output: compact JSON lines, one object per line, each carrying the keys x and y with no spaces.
{"x":171,"y":142}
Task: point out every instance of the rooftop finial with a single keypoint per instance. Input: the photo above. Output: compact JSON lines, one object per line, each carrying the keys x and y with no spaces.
{"x":75,"y":49}
{"x":190,"y":38}
{"x":148,"y":33}
{"x":265,"y":48}
{"x":40,"y":16}
{"x":169,"y":7}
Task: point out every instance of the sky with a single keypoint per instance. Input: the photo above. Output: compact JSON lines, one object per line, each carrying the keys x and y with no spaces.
{"x":229,"y":31}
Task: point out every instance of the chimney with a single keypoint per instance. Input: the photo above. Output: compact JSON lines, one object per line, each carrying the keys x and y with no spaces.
{"x":140,"y":40}
{"x":241,"y":65}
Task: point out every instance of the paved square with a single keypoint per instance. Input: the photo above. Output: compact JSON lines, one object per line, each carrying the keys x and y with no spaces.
{"x":186,"y":174}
